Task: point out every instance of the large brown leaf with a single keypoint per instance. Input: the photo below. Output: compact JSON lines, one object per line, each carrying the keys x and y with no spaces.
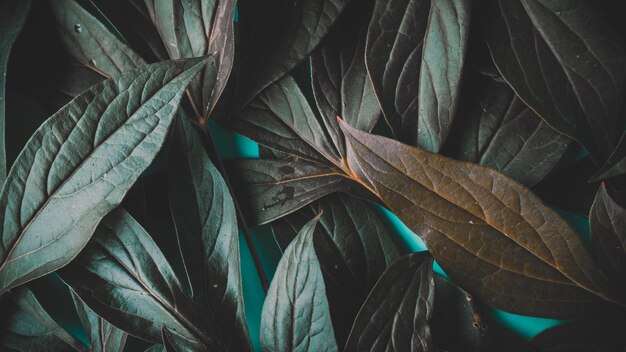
{"x":490,"y":233}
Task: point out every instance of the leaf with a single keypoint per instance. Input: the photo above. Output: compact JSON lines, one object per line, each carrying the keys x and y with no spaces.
{"x":583,"y":336}
{"x":101,"y":334}
{"x":459,"y":325}
{"x":269,"y":189}
{"x":197,"y":28}
{"x":276,"y":36}
{"x":176,"y":343}
{"x":354,"y":246}
{"x":615,"y":165}
{"x":281,"y":118}
{"x":12,"y":17}
{"x":607,"y":223}
{"x":396,"y":313}
{"x":206,"y":226}
{"x":90,"y":42}
{"x":80,"y":163}
{"x":564,"y":61}
{"x":341,"y":85}
{"x":295,"y":314}
{"x":123,"y":276}
{"x":28,"y":327}
{"x":418,"y":90}
{"x":488,"y":232}
{"x":501,"y":132}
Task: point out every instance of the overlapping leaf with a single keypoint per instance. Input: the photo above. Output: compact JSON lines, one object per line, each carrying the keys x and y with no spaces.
{"x":276,"y":36}
{"x":354,"y":247}
{"x":488,"y":232}
{"x":501,"y":132}
{"x":341,"y":85}
{"x":79,"y":164}
{"x":101,"y":334}
{"x":607,"y":222}
{"x":418,"y":90}
{"x":295,"y":314}
{"x":564,"y":60}
{"x":206,"y":225}
{"x":397,"y":311}
{"x":12,"y":17}
{"x":28,"y":327}
{"x":124,"y":277}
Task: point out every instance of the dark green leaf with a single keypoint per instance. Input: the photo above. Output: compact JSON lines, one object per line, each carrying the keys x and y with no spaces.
{"x":269,"y":189}
{"x":206,"y":225}
{"x":616,"y":164}
{"x":607,"y":222}
{"x":176,"y":343}
{"x":79,"y":164}
{"x":501,"y":132}
{"x":276,"y":36}
{"x":418,"y":90}
{"x":90,"y":42}
{"x":281,"y":118}
{"x":197,"y":28}
{"x":102,"y":336}
{"x":354,"y":247}
{"x":583,"y":336}
{"x":123,"y":276}
{"x":156,"y":348}
{"x":295,"y":313}
{"x":488,"y":232}
{"x":340,"y":81}
{"x":564,"y":61}
{"x":396,"y":314}
{"x":12,"y":17}
{"x":458,"y":325}
{"x":29,"y":328}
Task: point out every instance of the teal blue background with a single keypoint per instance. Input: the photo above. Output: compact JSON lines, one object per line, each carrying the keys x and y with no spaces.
{"x":231,"y":145}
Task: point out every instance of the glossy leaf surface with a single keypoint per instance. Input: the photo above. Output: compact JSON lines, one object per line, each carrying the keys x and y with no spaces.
{"x":12,"y":17}
{"x":563,"y":59}
{"x":123,"y":276}
{"x":295,"y":314}
{"x":489,"y":233}
{"x":415,"y":54}
{"x":80,"y":163}
{"x":206,"y":226}
{"x":396,"y":314}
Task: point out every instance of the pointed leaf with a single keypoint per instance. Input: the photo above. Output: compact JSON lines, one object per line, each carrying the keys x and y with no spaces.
{"x":269,"y":189}
{"x":354,"y":247}
{"x":501,"y":132}
{"x":607,"y":222}
{"x":295,"y":313}
{"x":123,"y":276}
{"x":91,"y":42}
{"x":417,"y":89}
{"x":583,"y":336}
{"x":527,"y":259}
{"x":341,"y":85}
{"x":206,"y":225}
{"x":276,"y":36}
{"x":562,"y":59}
{"x":281,"y":118}
{"x":79,"y":164}
{"x":28,"y":327}
{"x":101,"y":334}
{"x":616,"y":164}
{"x":197,"y":28}
{"x":397,"y":312}
{"x":12,"y":17}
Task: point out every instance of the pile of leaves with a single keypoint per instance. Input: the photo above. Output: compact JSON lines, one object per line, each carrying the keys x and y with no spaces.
{"x":491,"y":128}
